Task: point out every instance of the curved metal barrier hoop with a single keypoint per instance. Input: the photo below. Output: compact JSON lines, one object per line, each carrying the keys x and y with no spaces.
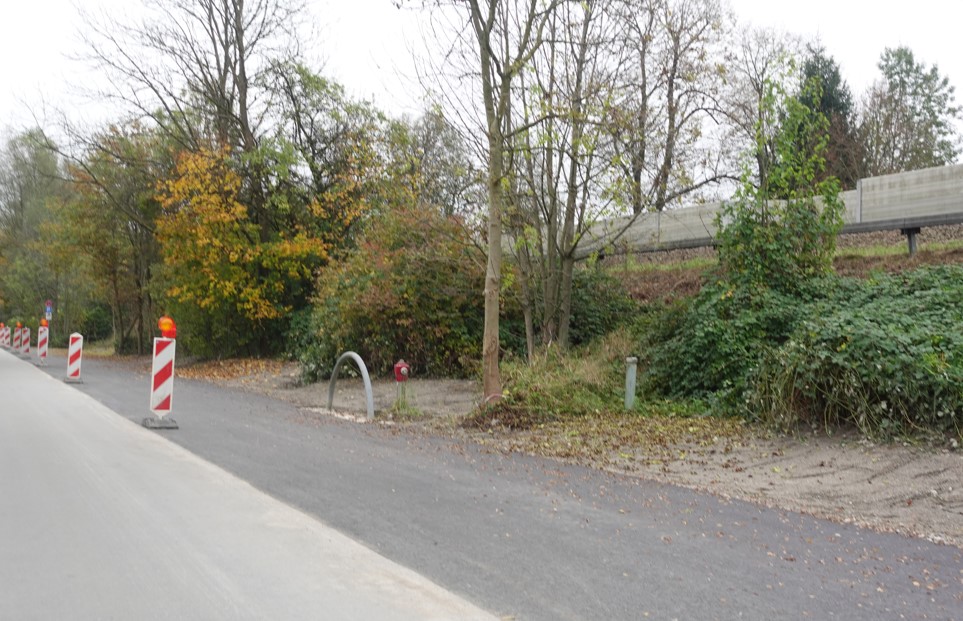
{"x":369,"y":396}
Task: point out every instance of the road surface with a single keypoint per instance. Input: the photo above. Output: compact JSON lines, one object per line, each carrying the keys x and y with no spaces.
{"x":101,"y":519}
{"x":528,"y":538}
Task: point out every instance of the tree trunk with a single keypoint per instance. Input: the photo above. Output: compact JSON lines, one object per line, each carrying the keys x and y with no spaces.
{"x":120,"y":325}
{"x":491,"y":378}
{"x":498,"y":67}
{"x":567,"y":242}
{"x":528,"y":302}
{"x":565,"y":303}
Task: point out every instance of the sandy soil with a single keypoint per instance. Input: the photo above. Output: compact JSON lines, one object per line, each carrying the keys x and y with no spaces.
{"x":916,"y":491}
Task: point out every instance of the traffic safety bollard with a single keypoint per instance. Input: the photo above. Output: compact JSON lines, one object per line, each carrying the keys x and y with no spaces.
{"x":25,"y":342}
{"x":162,"y":385}
{"x":43,"y":336}
{"x":75,"y":354}
{"x":162,"y":377}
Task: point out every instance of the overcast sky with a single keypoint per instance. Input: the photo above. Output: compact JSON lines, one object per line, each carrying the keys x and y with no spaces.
{"x":366,"y":45}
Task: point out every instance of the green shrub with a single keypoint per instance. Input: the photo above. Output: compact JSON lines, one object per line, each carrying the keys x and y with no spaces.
{"x":211,"y":335}
{"x":776,"y":243}
{"x":411,"y":290}
{"x":884,"y":355}
{"x":779,"y":244}
{"x":600,"y":304}
{"x":97,"y":323}
{"x":781,"y":233}
{"x":710,"y":346}
{"x":561,"y":383}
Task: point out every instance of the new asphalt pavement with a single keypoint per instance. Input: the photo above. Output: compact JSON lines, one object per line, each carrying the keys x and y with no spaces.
{"x":414,"y":517}
{"x":101,"y":519}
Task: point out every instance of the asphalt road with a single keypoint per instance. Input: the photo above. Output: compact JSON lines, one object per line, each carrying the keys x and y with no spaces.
{"x":528,"y":538}
{"x":101,"y":519}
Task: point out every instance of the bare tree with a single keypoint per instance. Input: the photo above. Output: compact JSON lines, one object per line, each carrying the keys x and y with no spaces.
{"x":669,"y":52}
{"x":562,"y":102}
{"x":197,"y":69}
{"x":193,"y":66}
{"x":507,"y":35}
{"x":758,"y":57}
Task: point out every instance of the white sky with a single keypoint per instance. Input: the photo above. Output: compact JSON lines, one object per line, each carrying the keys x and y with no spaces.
{"x":855,"y":32}
{"x":365,"y":45}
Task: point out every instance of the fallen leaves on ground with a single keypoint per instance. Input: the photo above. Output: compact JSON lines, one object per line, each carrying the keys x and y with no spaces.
{"x":230,"y":369}
{"x":620,"y":440}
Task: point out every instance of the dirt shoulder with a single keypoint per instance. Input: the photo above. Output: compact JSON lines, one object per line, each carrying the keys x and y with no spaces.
{"x":913,"y":490}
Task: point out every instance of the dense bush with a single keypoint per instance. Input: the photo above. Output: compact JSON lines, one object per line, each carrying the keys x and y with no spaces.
{"x":208,"y":336}
{"x":97,"y":323}
{"x":779,"y":244}
{"x":781,"y":232}
{"x":411,"y":290}
{"x":884,"y":355}
{"x":709,"y":346}
{"x":600,"y":303}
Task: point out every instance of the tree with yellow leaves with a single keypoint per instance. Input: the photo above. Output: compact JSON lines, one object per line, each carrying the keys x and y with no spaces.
{"x":232,"y":287}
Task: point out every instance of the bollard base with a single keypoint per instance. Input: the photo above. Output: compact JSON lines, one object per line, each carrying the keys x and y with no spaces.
{"x":73,"y":380}
{"x":152,"y":422}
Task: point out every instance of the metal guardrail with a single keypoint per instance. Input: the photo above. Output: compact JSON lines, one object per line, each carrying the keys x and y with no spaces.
{"x":905,"y":201}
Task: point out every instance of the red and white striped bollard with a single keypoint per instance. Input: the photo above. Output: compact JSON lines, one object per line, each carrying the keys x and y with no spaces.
{"x":162,"y":377}
{"x":75,"y":354}
{"x":25,"y":342}
{"x":162,"y":385}
{"x":43,"y":337}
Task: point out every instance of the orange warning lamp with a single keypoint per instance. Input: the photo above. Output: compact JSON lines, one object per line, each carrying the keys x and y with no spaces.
{"x":167,"y":327}
{"x":1,"y":325}
{"x":19,"y":325}
{"x":43,"y":323}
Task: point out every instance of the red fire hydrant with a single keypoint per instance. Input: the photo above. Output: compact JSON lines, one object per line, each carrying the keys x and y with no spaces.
{"x":402,"y":370}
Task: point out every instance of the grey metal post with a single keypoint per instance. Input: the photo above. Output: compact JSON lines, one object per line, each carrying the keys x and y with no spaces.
{"x":402,"y":401}
{"x":911,"y":234}
{"x":631,"y":364}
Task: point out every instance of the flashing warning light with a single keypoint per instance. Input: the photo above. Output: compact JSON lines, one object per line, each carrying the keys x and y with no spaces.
{"x":43,"y":323}
{"x":167,"y":327}
{"x":19,"y":325}
{"x":2,"y":325}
